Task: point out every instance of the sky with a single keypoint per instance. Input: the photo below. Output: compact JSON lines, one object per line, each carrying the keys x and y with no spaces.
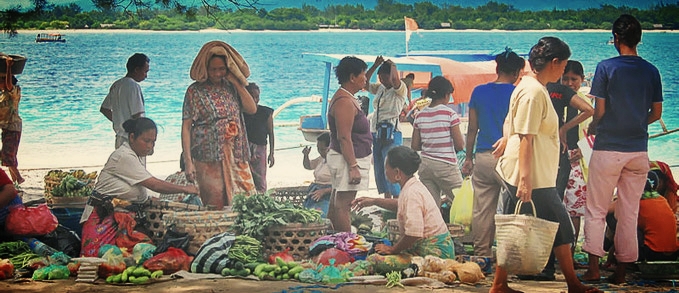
{"x":370,"y":4}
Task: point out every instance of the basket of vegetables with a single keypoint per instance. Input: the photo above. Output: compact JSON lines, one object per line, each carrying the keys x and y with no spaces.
{"x":71,"y":187}
{"x":279,"y":225}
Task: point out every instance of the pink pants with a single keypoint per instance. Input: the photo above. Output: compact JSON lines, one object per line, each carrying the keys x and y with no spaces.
{"x":627,"y":172}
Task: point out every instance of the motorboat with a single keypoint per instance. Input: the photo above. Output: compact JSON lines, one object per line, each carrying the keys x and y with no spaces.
{"x":50,"y":38}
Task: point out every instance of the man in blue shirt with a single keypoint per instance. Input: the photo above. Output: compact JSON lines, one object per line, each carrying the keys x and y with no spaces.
{"x":628,"y":95}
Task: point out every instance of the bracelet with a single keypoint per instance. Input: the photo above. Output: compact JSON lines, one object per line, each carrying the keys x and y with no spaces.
{"x":354,"y":165}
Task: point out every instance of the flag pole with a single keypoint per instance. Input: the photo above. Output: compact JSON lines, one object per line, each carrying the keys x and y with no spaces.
{"x":406,"y":33}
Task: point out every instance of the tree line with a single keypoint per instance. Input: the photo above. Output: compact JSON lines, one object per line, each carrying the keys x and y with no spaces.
{"x":387,"y":15}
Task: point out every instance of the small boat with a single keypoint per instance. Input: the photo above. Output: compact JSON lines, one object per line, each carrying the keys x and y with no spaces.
{"x":50,"y":38}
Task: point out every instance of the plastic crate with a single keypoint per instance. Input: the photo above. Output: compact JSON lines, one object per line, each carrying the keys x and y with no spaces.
{"x":70,"y":218}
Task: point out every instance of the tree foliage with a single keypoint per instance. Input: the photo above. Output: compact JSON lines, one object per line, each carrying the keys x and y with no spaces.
{"x":387,"y":15}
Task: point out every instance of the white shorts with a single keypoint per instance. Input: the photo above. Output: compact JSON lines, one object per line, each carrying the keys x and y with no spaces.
{"x":339,"y":170}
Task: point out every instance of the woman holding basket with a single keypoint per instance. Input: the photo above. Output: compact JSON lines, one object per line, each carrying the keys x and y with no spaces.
{"x":529,"y":154}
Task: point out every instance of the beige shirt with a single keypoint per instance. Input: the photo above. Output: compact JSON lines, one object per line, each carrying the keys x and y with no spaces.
{"x":389,"y":103}
{"x":122,"y":174}
{"x":321,"y":171}
{"x":417,"y":214}
{"x":531,"y":112}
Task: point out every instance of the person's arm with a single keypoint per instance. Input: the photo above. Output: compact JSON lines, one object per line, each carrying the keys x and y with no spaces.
{"x":472,"y":131}
{"x":7,"y":194}
{"x":599,"y":111}
{"x":416,"y":140}
{"x":656,"y":112}
{"x":385,"y":203}
{"x":395,"y":79}
{"x":404,"y":243}
{"x":371,"y":70}
{"x":247,"y":102}
{"x":305,"y":161}
{"x":585,"y":111}
{"x":458,"y":140}
{"x":525,"y":159}
{"x":165,"y":187}
{"x":344,"y":112}
{"x":107,"y":113}
{"x":500,"y":145}
{"x":269,"y":128}
{"x":186,"y":150}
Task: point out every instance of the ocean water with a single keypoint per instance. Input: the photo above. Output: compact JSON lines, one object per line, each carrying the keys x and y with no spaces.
{"x":64,"y":83}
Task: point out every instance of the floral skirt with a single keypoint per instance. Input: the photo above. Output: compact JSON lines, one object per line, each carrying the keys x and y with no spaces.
{"x":116,"y":229}
{"x":575,"y":196}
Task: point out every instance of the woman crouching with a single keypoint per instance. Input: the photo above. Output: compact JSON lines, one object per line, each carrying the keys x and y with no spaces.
{"x":109,"y":216}
{"x":422,"y":229}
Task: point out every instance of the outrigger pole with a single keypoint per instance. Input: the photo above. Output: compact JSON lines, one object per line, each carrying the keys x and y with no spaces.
{"x":664,"y":130}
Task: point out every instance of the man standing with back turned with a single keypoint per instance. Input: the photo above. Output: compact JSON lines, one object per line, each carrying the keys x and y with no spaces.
{"x":125,"y":100}
{"x":628,"y":95}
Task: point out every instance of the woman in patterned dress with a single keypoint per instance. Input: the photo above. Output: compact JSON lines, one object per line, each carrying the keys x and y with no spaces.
{"x":214,"y":140}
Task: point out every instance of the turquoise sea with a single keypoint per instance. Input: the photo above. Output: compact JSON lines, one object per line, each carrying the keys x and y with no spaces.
{"x":64,"y":83}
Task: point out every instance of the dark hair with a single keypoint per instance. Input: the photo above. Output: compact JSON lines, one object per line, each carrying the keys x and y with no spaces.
{"x":410,"y":75}
{"x":439,"y":88}
{"x":404,"y":159}
{"x":385,"y":68}
{"x":547,"y":49}
{"x":575,"y":67}
{"x":509,"y":62}
{"x":347,"y":66}
{"x":324,"y":138}
{"x":251,"y":86}
{"x":135,"y":61}
{"x":628,"y":30}
{"x":139,"y":125}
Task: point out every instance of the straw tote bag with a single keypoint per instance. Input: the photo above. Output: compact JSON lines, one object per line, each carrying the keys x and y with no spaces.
{"x":524,"y":242}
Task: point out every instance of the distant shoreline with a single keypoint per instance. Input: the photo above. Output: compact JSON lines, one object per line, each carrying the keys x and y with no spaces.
{"x":213,"y":30}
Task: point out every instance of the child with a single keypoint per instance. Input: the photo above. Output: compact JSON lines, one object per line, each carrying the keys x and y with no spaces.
{"x":319,"y":191}
{"x":259,"y":126}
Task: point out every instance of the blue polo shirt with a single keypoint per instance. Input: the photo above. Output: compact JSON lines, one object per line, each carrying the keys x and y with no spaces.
{"x":630,"y":85}
{"x":491,"y":103}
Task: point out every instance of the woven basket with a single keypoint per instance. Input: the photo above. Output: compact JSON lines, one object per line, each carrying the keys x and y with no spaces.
{"x":157,"y":211}
{"x":294,"y":194}
{"x":523,"y":242}
{"x":295,"y":236}
{"x":201,"y":225}
{"x":51,"y":183}
{"x":456,"y":230}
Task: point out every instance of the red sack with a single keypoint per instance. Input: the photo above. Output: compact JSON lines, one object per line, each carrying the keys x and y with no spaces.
{"x":127,"y":237}
{"x":30,"y":221}
{"x":171,"y":261}
{"x":340,"y":257}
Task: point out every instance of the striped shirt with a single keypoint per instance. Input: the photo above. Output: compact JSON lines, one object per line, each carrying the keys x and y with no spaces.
{"x":434,"y":124}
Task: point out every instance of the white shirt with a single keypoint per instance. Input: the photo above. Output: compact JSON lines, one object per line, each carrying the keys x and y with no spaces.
{"x":122,"y":174}
{"x":389,"y":101}
{"x":125,"y":100}
{"x":322,"y":173}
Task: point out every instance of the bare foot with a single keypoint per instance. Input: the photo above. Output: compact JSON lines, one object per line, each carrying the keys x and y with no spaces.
{"x":615,"y":279}
{"x":584,"y":289}
{"x":590,"y":276}
{"x":16,"y":177}
{"x":504,"y":289}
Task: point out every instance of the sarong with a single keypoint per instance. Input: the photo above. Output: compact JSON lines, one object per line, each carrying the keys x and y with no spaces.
{"x":10,"y":147}
{"x":439,"y":245}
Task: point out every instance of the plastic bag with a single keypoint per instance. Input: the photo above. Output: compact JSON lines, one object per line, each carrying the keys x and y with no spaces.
{"x":127,"y":237}
{"x":115,"y":264}
{"x":339,"y":257}
{"x":106,"y":247}
{"x":30,"y":221}
{"x":52,"y":272}
{"x":63,"y":239}
{"x":143,"y":251}
{"x":171,"y":261}
{"x":172,"y":238}
{"x":6,"y":269}
{"x":461,"y":211}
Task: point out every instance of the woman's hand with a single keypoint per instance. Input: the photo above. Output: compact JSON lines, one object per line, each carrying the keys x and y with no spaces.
{"x":354,"y":175}
{"x":563,"y":139}
{"x":384,"y":249}
{"x":575,"y":155}
{"x":499,"y":147}
{"x":468,"y":167}
{"x":192,"y":189}
{"x":524,"y":190}
{"x":361,"y":202}
{"x":190,"y":171}
{"x":318,"y":194}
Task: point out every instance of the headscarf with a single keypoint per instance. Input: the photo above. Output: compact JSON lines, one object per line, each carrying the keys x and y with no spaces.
{"x":234,"y":62}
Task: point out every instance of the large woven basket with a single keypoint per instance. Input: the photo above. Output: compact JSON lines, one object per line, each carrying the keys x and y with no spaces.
{"x":157,"y":211}
{"x":201,"y":225}
{"x":51,"y":183}
{"x":393,"y":232}
{"x":294,"y":194}
{"x":295,"y":236}
{"x":523,"y":242}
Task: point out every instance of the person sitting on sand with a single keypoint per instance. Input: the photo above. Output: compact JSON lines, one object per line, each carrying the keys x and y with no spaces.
{"x":422,"y":229}
{"x":318,"y":196}
{"x":109,"y":216}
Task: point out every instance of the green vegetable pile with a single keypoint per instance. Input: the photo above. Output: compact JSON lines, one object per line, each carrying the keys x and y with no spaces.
{"x":134,"y":275}
{"x":258,"y":212}
{"x":71,"y":186}
{"x":11,"y":249}
{"x":394,"y":279}
{"x":245,"y":250}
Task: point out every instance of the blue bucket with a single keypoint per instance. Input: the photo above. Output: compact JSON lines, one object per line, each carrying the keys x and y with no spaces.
{"x":70,"y":218}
